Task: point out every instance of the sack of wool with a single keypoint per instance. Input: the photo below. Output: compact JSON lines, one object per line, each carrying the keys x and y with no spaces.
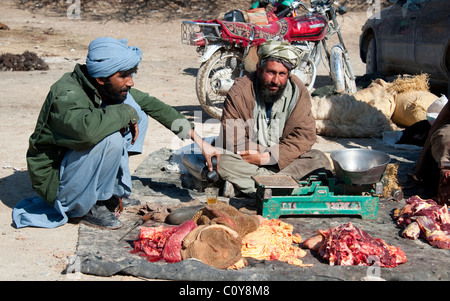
{"x":376,"y":95}
{"x":412,"y":107}
{"x":345,"y":116}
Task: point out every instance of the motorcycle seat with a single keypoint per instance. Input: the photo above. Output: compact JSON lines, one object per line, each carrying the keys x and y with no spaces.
{"x":244,"y":33}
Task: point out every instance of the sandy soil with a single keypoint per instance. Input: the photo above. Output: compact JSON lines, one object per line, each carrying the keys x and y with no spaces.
{"x":167,"y":72}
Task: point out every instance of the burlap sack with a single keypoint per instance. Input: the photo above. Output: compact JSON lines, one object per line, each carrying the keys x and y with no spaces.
{"x":215,"y":245}
{"x":377,"y":96}
{"x":412,"y":107}
{"x":366,"y":113}
{"x":345,"y":116}
{"x":223,"y":214}
{"x":217,"y":241}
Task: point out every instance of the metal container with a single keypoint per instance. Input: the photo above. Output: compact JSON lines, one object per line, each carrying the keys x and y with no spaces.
{"x":195,"y":164}
{"x":359,"y":166}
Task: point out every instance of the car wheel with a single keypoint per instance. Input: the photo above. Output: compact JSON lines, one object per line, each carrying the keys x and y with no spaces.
{"x":371,"y":56}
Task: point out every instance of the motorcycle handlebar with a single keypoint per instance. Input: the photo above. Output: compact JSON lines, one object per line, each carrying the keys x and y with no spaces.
{"x":320,"y":2}
{"x":284,"y":12}
{"x":295,"y":5}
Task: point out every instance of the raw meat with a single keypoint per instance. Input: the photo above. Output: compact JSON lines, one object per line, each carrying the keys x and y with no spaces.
{"x":426,"y":219}
{"x":349,"y":245}
{"x":412,"y":231}
{"x":156,"y":243}
{"x":172,"y":249}
{"x":152,"y":241}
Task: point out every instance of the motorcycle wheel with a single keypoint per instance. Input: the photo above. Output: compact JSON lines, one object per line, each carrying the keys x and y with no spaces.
{"x":307,"y":74}
{"x":340,"y":72}
{"x":316,"y":54}
{"x":307,"y":69}
{"x":215,"y":77}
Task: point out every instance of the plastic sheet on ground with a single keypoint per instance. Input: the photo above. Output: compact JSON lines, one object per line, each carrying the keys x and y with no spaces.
{"x":100,"y":253}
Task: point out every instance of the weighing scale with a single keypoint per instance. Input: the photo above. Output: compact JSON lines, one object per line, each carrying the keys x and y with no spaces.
{"x":354,"y":191}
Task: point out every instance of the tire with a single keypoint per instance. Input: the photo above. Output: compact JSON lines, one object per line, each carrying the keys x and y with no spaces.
{"x":306,"y":71}
{"x":371,"y":56}
{"x":316,"y":54}
{"x":222,"y":65}
{"x":307,"y":74}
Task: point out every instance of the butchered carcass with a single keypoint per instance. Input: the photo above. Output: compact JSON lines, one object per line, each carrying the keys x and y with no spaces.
{"x":349,"y":245}
{"x":151,"y":241}
{"x":412,"y":231}
{"x":426,"y":219}
{"x":163,"y":242}
{"x":433,"y":233}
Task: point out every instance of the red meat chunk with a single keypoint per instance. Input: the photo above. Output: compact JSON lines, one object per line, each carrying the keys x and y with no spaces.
{"x":430,"y":220}
{"x":349,"y":245}
{"x":163,"y":242}
{"x":172,"y":249}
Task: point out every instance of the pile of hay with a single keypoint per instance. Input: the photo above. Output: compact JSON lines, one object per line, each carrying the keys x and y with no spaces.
{"x":405,"y":84}
{"x":413,"y":97}
{"x":28,"y":61}
{"x":391,"y":180}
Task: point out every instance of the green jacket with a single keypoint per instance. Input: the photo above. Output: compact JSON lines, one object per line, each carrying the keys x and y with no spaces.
{"x":72,"y":118}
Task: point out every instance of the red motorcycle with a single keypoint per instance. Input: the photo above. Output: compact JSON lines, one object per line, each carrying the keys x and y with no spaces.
{"x":225,"y":48}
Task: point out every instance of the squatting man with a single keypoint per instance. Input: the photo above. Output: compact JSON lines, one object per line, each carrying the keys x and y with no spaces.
{"x":90,"y":122}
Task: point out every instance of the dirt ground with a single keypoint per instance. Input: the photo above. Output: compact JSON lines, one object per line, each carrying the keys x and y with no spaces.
{"x":167,"y":72}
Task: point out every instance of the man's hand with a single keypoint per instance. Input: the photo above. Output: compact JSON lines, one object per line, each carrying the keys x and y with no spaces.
{"x":208,"y":150}
{"x":255,"y":157}
{"x":134,"y":129}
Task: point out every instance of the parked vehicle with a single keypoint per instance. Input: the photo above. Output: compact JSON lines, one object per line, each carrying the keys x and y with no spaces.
{"x":409,"y":37}
{"x":225,"y":45}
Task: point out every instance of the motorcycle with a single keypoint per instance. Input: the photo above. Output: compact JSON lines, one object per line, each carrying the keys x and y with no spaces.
{"x":225,"y":46}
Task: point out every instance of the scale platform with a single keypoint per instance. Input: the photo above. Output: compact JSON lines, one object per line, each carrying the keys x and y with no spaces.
{"x":279,"y":195}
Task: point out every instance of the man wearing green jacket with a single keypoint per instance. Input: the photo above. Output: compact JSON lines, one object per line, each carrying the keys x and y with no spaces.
{"x":90,"y":121}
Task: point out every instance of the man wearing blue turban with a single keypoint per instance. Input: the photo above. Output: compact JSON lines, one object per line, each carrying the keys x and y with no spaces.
{"x":107,"y":55}
{"x":91,"y":120}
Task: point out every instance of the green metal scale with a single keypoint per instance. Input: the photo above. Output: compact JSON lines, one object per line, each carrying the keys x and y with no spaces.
{"x":279,"y":195}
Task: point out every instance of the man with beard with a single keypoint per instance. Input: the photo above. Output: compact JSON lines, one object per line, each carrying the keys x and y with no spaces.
{"x":267,"y":124}
{"x":91,"y":120}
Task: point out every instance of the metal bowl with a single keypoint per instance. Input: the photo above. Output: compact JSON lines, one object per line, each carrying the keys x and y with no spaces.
{"x":359,"y":166}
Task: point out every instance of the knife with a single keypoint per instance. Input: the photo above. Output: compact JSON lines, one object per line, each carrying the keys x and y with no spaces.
{"x":138,"y":223}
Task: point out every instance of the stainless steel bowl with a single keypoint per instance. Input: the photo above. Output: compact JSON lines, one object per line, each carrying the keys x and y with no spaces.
{"x":359,"y":166}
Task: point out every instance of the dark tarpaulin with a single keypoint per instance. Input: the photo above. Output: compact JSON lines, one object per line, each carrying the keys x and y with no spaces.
{"x":100,"y":253}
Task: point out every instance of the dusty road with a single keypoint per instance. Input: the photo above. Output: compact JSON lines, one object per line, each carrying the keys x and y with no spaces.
{"x":167,"y":72}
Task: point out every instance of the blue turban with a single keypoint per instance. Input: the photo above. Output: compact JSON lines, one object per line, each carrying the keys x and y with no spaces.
{"x":107,"y":56}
